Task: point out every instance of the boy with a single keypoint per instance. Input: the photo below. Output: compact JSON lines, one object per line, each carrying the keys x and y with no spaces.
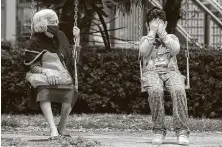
{"x":160,"y":69}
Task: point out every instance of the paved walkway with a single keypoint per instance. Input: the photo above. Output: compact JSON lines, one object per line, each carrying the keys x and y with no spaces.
{"x":135,"y":139}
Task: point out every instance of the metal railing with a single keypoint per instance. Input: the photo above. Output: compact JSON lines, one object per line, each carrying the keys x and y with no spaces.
{"x":204,"y":8}
{"x":219,"y":2}
{"x":216,"y":5}
{"x":203,"y":25}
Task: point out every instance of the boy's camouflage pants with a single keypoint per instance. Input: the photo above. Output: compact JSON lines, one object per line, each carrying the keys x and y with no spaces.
{"x":174,"y":82}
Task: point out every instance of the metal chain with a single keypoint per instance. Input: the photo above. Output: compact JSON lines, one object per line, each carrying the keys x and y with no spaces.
{"x":76,"y":12}
{"x":75,"y":53}
{"x":75,"y":18}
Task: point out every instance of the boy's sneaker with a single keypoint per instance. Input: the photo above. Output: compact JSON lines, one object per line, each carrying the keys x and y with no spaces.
{"x":158,"y":139}
{"x":183,"y":140}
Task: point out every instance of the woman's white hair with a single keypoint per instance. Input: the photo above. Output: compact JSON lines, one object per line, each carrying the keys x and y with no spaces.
{"x":41,"y":18}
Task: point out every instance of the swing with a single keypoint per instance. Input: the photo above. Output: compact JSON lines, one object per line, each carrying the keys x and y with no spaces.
{"x":187,"y":81}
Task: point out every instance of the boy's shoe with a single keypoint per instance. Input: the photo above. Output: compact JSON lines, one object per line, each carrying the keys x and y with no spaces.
{"x":183,"y":140}
{"x":158,"y":139}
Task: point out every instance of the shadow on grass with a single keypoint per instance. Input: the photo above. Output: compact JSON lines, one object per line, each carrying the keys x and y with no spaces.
{"x":170,"y":142}
{"x":38,"y":140}
{"x":165,"y":142}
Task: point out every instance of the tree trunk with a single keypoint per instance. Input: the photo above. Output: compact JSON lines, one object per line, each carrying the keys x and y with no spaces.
{"x":104,"y":32}
{"x":172,"y":9}
{"x":67,"y":19}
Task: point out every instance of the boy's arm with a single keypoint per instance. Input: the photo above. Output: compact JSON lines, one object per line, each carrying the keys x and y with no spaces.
{"x":170,"y":40}
{"x":172,"y":43}
{"x":146,"y":43}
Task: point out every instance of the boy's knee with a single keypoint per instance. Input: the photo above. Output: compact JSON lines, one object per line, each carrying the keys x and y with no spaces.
{"x":155,"y":90}
{"x":178,"y":89}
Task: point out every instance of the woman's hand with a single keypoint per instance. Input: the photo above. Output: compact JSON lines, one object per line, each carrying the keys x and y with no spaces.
{"x":76,"y":35}
{"x":51,"y":77}
{"x":76,"y":31}
{"x":53,"y":80}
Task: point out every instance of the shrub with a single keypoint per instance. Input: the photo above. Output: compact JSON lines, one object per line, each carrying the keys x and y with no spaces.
{"x":109,"y":82}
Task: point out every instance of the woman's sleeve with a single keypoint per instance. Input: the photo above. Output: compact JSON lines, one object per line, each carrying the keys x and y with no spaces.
{"x":36,"y":68}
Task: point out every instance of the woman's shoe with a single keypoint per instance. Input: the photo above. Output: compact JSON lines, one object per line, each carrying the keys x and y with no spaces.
{"x":64,"y":134}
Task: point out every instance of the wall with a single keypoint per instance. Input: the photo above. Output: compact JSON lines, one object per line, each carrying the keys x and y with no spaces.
{"x":8,"y":20}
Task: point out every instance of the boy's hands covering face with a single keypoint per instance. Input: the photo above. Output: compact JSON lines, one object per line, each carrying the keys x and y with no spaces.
{"x":154,"y":25}
{"x":161,"y":32}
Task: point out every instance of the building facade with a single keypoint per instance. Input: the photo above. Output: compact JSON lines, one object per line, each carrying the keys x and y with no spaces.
{"x":8,"y":19}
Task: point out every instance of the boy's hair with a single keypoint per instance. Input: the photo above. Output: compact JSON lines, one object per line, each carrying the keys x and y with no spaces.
{"x":154,"y":13}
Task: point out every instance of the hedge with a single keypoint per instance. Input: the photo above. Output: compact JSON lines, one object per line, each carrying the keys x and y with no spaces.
{"x":109,"y":83}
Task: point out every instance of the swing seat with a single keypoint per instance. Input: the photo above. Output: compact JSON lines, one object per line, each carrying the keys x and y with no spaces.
{"x":186,"y":79}
{"x":187,"y":86}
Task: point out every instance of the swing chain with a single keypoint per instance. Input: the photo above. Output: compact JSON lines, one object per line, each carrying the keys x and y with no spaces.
{"x":75,"y":20}
{"x":76,"y":13}
{"x":75,"y":25}
{"x":187,"y":53}
{"x":75,"y":44}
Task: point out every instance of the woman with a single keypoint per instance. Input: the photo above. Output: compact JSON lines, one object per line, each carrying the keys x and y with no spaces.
{"x":50,"y":68}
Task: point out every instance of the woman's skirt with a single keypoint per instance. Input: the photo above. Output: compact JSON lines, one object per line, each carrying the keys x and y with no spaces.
{"x":53,"y":93}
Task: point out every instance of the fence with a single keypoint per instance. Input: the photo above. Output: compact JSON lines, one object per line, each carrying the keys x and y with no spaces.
{"x":131,"y":31}
{"x":200,"y":25}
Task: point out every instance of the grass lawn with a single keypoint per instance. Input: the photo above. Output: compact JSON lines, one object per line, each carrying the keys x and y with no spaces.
{"x":106,"y":121}
{"x":36,"y":125}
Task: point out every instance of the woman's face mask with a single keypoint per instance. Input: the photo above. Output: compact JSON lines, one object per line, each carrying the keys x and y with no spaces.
{"x":53,"y":29}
